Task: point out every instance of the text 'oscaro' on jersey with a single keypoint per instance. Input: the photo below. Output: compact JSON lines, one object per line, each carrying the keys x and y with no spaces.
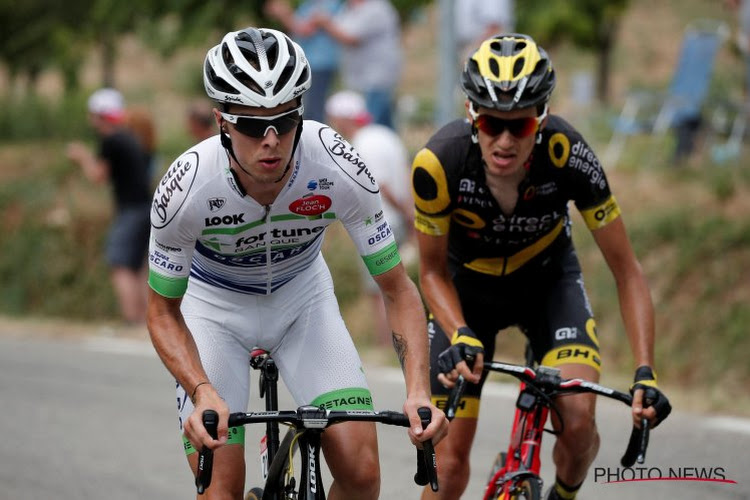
{"x":205,"y":228}
{"x":452,"y":197}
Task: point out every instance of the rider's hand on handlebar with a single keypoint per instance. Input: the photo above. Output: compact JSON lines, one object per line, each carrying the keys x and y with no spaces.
{"x":648,"y":401}
{"x":438,"y":427}
{"x":464,"y":357}
{"x":206,"y":398}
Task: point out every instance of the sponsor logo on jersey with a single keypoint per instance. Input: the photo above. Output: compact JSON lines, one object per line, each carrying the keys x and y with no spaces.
{"x":275,"y":237}
{"x":566,"y":333}
{"x":466,"y":186}
{"x":382,"y":233}
{"x":312,"y":184}
{"x":215,"y":204}
{"x":166,"y":248}
{"x":525,"y":224}
{"x":261,"y":258}
{"x":584,"y":160}
{"x":226,"y":220}
{"x":372,"y":219}
{"x":546,"y":188}
{"x":324,"y":183}
{"x":294,"y":174}
{"x":162,"y":261}
{"x":347,"y":159}
{"x":173,"y":188}
{"x":310,"y":204}
{"x":474,"y":200}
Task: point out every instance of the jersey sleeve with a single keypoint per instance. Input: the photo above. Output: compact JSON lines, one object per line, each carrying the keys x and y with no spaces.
{"x":589,"y":188}
{"x":172,"y":240}
{"x":362,"y":208}
{"x":431,"y":180}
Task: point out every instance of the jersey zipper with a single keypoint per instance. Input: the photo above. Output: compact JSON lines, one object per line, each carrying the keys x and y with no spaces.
{"x":267,"y":222}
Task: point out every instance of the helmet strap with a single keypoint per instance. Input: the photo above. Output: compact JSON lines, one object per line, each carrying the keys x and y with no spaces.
{"x":474,"y":129}
{"x":297,"y":136}
{"x":226,"y":141}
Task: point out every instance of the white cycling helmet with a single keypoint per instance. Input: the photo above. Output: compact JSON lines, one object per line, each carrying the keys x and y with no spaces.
{"x":256,"y":67}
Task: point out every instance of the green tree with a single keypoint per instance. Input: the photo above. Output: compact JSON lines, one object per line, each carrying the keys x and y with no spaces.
{"x":589,"y":24}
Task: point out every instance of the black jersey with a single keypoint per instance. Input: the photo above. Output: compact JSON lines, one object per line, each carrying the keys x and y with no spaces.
{"x":452,"y":197}
{"x":128,"y":164}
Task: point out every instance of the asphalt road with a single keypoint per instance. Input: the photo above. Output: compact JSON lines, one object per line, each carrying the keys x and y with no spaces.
{"x":94,"y":418}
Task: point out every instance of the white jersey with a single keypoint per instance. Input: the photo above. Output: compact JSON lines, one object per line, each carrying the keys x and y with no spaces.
{"x":205,"y":228}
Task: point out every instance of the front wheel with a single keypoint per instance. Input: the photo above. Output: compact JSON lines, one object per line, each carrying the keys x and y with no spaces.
{"x":254,"y":494}
{"x":278,"y":485}
{"x":525,"y":489}
{"x":528,"y":489}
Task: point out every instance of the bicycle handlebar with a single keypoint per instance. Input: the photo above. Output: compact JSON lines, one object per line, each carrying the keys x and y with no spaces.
{"x":206,"y":455}
{"x":549,"y":379}
{"x":312,"y":417}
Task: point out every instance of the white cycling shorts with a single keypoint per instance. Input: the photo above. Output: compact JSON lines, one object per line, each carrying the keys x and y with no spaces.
{"x":299,"y":324}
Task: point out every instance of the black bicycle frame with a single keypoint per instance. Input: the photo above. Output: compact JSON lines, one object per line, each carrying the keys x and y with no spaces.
{"x":269,"y":392}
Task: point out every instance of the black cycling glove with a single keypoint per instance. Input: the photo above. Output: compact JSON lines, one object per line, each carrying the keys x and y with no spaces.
{"x":645,"y":379}
{"x":464,"y":347}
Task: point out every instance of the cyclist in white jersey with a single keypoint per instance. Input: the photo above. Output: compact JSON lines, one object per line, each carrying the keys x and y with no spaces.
{"x":235,"y":263}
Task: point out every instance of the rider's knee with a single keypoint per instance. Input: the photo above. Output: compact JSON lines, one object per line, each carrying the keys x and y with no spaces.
{"x":452,"y":466}
{"x":579,"y":427}
{"x":363,"y":478}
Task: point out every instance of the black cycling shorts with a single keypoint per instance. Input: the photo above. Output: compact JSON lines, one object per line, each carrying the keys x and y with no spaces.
{"x":548,"y":303}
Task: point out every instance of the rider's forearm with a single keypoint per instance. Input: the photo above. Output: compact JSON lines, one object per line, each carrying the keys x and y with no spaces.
{"x":175,"y":346}
{"x":637,"y":311}
{"x":408,"y":324}
{"x":442,"y":300}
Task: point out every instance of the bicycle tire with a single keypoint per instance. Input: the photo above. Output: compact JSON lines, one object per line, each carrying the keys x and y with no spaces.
{"x":275,"y":481}
{"x":497,"y":465}
{"x":254,"y":494}
{"x":526,"y":489}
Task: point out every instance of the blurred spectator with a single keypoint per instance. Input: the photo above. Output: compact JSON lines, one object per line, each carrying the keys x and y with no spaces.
{"x":121,"y":160}
{"x":371,"y":60}
{"x":477,"y":20}
{"x":385,"y":156}
{"x":140,"y":121}
{"x":201,"y":123}
{"x":321,"y":49}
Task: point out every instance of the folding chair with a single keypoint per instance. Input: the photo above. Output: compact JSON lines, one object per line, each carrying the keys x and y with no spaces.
{"x":647,"y":112}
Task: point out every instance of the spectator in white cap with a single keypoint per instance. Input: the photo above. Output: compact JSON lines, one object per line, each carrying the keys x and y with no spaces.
{"x":123,"y":162}
{"x":386,"y":157}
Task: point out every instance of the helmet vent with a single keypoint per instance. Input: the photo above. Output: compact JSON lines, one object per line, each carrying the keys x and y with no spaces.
{"x":248,"y":50}
{"x":518,"y":66}
{"x":284,"y":78}
{"x":520,"y":46}
{"x":272,"y":49}
{"x":302,"y":77}
{"x":496,"y":46}
{"x":218,"y":83}
{"x":495,"y":68}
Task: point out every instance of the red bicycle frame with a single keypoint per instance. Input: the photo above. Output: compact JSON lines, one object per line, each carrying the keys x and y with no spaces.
{"x":523,"y":452}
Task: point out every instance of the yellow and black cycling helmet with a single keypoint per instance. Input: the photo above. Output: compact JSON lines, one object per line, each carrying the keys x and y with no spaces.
{"x":508,"y":71}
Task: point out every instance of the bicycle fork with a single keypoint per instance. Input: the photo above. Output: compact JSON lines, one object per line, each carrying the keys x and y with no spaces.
{"x":523,"y":459}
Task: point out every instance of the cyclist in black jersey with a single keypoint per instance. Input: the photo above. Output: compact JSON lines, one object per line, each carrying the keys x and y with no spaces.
{"x":491,"y":195}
